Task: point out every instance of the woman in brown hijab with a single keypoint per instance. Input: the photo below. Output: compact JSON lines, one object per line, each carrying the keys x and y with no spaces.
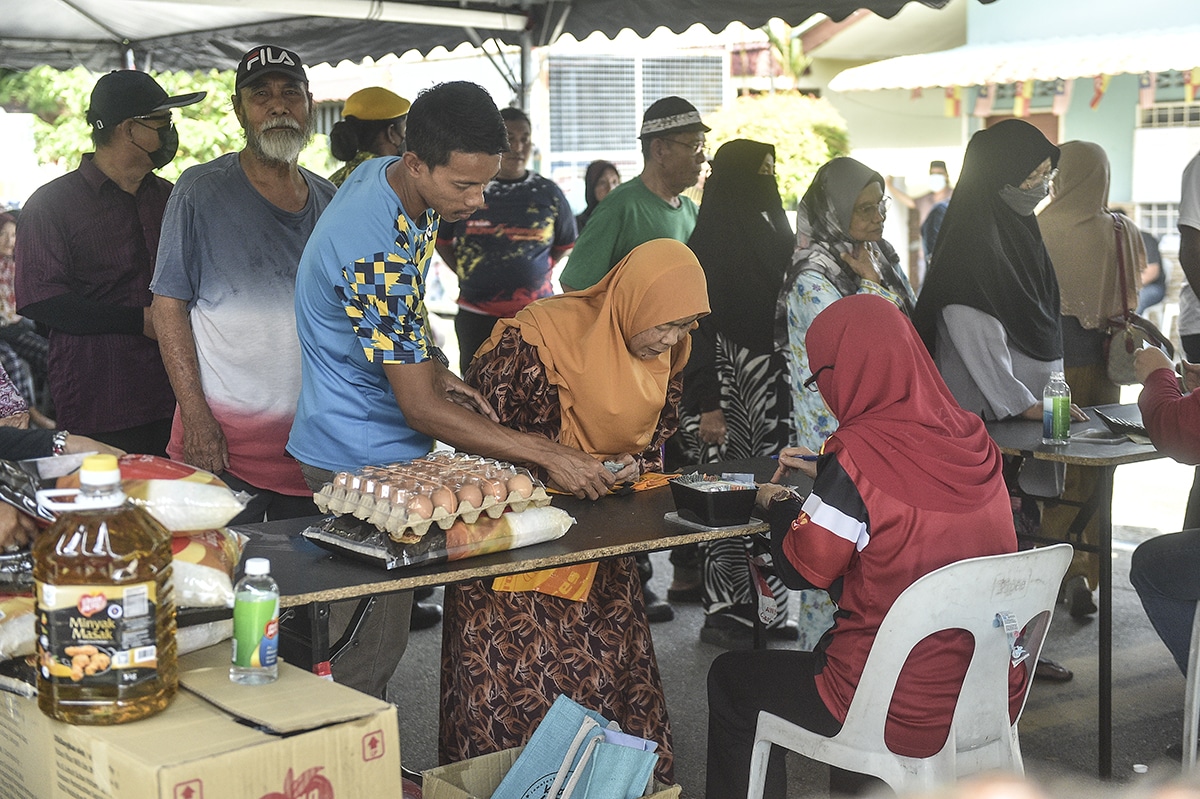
{"x":1080,"y":235}
{"x":599,"y":370}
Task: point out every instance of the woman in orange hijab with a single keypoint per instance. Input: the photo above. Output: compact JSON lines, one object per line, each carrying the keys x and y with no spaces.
{"x":597,"y":369}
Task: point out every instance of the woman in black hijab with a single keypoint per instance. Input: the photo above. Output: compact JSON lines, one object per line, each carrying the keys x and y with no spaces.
{"x":735,"y":384}
{"x":600,"y":178}
{"x":989,"y":308}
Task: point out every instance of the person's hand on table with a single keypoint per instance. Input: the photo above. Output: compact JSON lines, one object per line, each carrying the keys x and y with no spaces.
{"x":451,"y":386}
{"x":768,"y":492}
{"x":578,"y":473}
{"x":631,"y":470}
{"x":1034,"y":413}
{"x":790,"y":462}
{"x":16,"y":528}
{"x":712,"y":427}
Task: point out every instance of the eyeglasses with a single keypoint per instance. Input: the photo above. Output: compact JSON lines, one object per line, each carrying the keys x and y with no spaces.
{"x":155,"y":122}
{"x":881,"y":207}
{"x":696,"y":147}
{"x":1046,"y":178}
{"x":810,"y":382}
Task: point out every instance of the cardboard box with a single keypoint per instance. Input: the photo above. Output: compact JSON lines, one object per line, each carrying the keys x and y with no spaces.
{"x":479,"y":777}
{"x":300,"y":737}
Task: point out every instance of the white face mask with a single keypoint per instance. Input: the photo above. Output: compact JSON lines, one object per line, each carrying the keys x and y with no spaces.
{"x":937,"y":182}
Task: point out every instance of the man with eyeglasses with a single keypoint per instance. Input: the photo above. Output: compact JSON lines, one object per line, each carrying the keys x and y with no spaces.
{"x":649,"y":206}
{"x":85,"y":255}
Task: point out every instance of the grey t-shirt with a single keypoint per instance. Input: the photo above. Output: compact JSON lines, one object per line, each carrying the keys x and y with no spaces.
{"x":232,"y":256}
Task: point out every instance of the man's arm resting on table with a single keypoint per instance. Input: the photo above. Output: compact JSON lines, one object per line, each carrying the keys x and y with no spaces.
{"x":203,"y":441}
{"x":438,"y":404}
{"x":1171,"y":418}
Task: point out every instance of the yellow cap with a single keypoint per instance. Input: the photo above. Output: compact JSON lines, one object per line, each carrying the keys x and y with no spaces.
{"x":100,"y":463}
{"x":374,"y":103}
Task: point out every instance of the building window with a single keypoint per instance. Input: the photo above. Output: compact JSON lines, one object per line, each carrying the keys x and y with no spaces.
{"x":1158,"y":218}
{"x":596,"y":102}
{"x":1170,"y":115}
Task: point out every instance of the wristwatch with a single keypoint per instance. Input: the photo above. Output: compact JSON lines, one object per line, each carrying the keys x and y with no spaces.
{"x":59,"y":442}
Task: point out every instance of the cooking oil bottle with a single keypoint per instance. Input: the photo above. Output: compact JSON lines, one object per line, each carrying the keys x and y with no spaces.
{"x":105,"y":610}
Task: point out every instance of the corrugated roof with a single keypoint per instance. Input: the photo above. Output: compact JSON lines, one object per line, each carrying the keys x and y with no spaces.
{"x":1041,"y":59}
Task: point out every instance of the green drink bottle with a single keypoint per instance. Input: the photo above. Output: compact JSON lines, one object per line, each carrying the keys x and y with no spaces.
{"x":255,"y":626}
{"x":1056,"y":411}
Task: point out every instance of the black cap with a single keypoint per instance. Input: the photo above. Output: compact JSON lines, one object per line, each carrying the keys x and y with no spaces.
{"x":671,"y":115}
{"x":127,"y":93}
{"x":269,"y":58}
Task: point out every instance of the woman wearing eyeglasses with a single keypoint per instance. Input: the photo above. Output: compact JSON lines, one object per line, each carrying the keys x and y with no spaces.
{"x":840,"y":251}
{"x":989,"y":308}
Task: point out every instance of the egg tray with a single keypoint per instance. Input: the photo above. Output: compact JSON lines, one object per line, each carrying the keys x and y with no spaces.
{"x":402,"y":499}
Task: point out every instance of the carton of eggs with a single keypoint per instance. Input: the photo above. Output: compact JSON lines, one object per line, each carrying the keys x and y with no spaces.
{"x":405,"y":499}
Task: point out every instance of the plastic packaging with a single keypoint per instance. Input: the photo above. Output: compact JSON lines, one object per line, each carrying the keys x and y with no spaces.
{"x":363,"y":541}
{"x":1056,"y":411}
{"x":106,"y":610}
{"x":255,"y":626}
{"x":407,"y":499}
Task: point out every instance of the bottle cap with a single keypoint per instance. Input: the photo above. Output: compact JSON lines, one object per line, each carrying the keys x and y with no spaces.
{"x":257,"y":567}
{"x":99,"y":470}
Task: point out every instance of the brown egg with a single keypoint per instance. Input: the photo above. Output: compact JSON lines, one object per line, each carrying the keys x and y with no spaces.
{"x":444,"y":498}
{"x":495,"y":488}
{"x":419,"y":507}
{"x":520,"y":485}
{"x":470,"y":494}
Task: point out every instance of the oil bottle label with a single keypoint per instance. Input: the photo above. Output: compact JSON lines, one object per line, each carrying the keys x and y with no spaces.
{"x":97,"y":634}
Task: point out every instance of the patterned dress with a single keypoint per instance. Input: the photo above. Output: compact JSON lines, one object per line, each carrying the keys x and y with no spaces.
{"x":507,"y":655}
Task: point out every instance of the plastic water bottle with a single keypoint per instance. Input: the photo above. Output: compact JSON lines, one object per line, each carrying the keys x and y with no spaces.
{"x":255,"y":626}
{"x":1056,"y":410}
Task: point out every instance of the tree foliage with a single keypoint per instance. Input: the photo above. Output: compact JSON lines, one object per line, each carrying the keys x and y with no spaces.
{"x":805,"y":130}
{"x":207,"y":129}
{"x":785,"y":42}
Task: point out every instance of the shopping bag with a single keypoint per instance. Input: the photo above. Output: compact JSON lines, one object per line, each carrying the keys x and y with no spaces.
{"x":618,"y":767}
{"x":554,"y":751}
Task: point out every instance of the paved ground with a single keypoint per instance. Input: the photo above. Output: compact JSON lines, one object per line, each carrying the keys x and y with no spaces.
{"x":1058,"y":729}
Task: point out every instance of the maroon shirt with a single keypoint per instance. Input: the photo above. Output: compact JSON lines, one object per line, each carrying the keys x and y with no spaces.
{"x":84,"y":237}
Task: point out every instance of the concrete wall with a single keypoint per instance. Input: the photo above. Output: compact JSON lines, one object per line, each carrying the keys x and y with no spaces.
{"x":1110,"y":124}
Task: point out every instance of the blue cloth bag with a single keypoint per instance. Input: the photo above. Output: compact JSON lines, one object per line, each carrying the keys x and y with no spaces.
{"x":567,"y":757}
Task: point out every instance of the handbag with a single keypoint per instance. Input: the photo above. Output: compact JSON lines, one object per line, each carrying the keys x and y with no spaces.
{"x":1128,"y":332}
{"x":567,"y":757}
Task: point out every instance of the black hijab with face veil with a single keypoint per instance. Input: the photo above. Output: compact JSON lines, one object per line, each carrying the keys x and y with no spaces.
{"x":744,"y":242}
{"x":987,"y":256}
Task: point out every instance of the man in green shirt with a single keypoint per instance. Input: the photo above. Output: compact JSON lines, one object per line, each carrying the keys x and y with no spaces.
{"x":649,"y":206}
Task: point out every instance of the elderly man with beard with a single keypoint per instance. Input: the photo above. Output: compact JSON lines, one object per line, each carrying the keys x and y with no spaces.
{"x":232,"y":236}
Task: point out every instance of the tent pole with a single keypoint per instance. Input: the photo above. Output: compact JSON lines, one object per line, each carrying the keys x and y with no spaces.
{"x":526,"y":69}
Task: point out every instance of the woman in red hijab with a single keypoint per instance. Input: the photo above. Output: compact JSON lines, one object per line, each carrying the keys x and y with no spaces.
{"x":908,"y":483}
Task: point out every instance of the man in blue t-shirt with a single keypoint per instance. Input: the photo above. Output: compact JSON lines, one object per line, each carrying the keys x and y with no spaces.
{"x":505,"y":253}
{"x":375,"y":388}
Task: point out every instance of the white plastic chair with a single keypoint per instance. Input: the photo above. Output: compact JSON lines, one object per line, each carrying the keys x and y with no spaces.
{"x":1191,"y":698}
{"x":971,"y":595}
